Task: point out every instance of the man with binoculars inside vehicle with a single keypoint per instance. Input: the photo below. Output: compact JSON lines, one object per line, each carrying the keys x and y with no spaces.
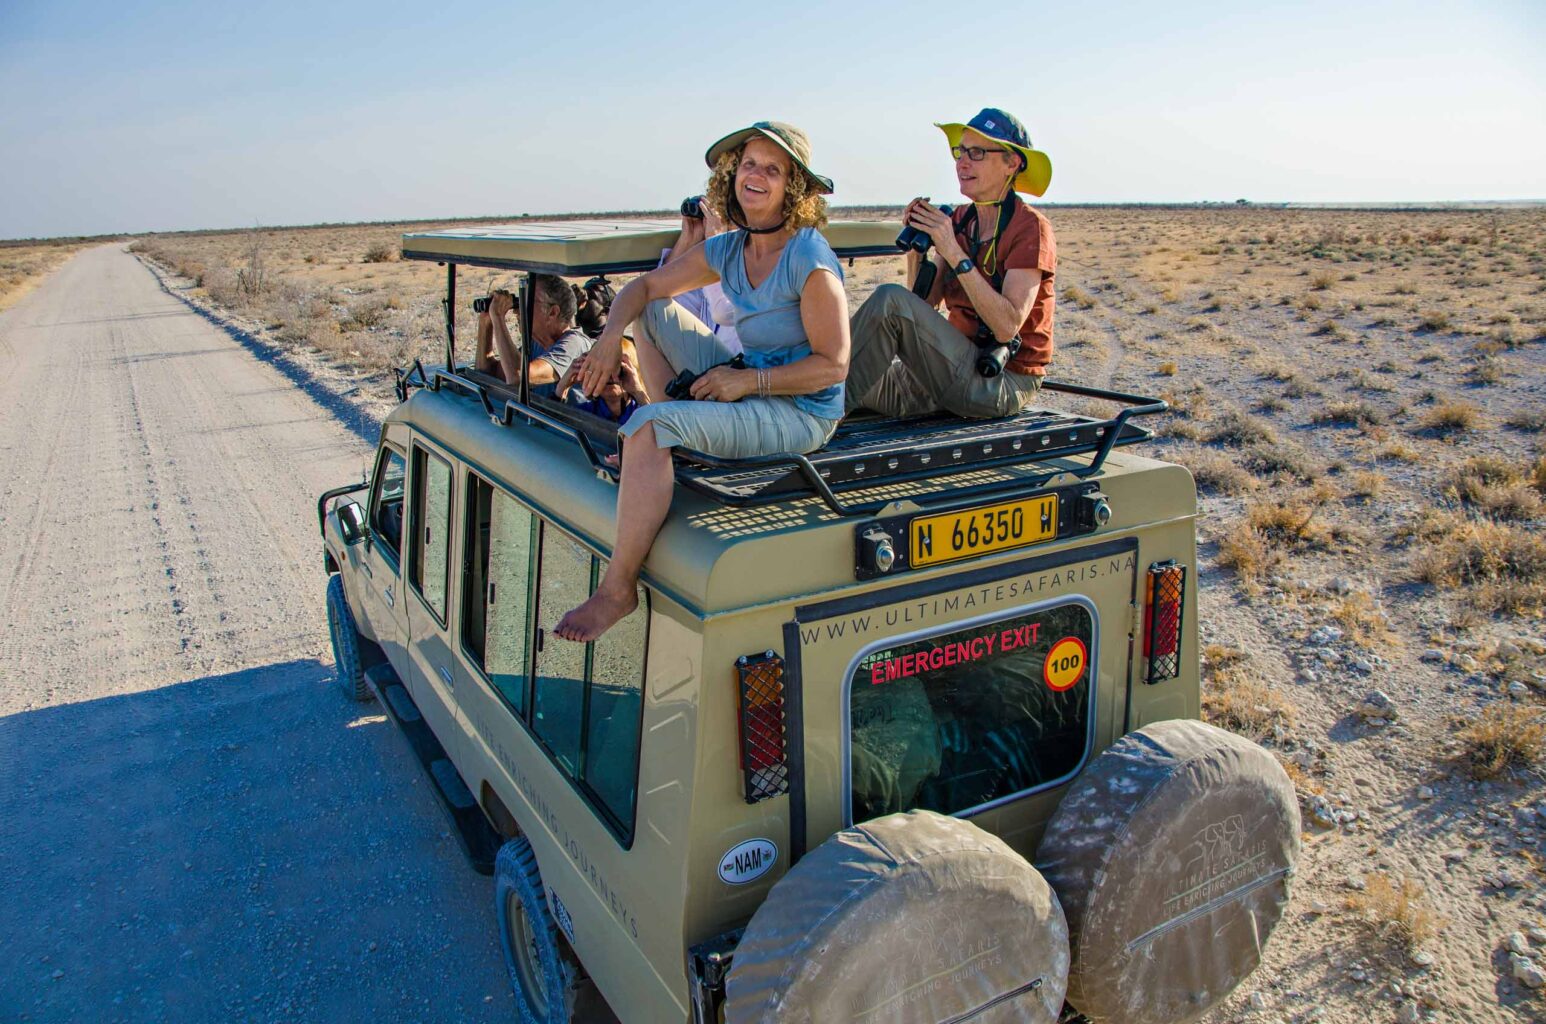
{"x":555,"y":341}
{"x":993,"y":267}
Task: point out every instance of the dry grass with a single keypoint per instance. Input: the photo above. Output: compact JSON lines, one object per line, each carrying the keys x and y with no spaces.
{"x":1396,"y":909}
{"x":1239,"y":429}
{"x":1078,"y":296}
{"x":1235,"y":697}
{"x":1501,"y":567}
{"x":1349,"y":413}
{"x":1167,"y":369}
{"x":23,"y":266}
{"x":1496,"y":488}
{"x":1447,"y":418}
{"x":1217,"y":473}
{"x":1505,"y":736}
{"x":1363,"y":621}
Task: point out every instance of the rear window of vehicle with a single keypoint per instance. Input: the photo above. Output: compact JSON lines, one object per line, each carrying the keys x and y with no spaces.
{"x":963,"y":720}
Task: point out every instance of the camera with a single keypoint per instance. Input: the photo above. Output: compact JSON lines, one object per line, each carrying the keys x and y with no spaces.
{"x":481,"y":305}
{"x":993,"y":357}
{"x":680,"y":386}
{"x":692,"y":207}
{"x":916,"y":239}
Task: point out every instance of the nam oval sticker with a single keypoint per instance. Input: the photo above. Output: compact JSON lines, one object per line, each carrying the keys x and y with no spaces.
{"x":748,"y":861}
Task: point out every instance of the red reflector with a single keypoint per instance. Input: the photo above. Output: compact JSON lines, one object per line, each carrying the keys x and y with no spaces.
{"x":1164,"y":597}
{"x":764,"y":752}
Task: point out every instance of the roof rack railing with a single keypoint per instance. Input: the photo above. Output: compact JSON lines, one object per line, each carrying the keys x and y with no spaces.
{"x":756,"y":481}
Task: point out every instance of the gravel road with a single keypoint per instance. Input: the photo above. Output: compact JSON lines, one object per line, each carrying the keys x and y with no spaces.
{"x":197,"y":825}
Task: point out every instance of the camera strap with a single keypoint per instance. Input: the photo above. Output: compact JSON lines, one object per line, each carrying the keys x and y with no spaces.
{"x":984,"y":337}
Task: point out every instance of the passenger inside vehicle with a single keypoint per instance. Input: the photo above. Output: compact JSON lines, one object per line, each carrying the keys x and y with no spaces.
{"x":622,"y":395}
{"x":555,"y":342}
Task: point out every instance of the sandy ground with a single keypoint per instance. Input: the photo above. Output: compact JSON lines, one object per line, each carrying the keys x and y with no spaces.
{"x":198,"y":826}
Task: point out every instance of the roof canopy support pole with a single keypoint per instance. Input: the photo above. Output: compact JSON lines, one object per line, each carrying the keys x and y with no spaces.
{"x":451,"y":317}
{"x":528,"y":290}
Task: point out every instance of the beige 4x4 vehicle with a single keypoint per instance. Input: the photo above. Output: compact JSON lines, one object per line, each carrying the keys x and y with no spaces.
{"x":902,"y":731}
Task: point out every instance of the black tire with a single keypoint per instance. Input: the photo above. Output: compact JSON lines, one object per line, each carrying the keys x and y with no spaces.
{"x":346,"y":642}
{"x":546,"y":979}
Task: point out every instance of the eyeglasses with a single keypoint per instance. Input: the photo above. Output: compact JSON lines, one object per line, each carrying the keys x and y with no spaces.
{"x":975,"y":153}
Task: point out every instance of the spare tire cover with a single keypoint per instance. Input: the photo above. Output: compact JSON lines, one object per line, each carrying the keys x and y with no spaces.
{"x":1172,"y":856}
{"x":912,"y":918}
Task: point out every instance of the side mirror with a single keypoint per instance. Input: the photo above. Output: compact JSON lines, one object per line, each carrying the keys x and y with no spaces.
{"x":351,"y":521}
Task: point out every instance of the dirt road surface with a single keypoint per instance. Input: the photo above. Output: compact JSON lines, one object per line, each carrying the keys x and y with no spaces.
{"x":196,"y":825}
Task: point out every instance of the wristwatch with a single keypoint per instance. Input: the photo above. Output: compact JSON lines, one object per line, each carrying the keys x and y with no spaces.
{"x":964,"y":267}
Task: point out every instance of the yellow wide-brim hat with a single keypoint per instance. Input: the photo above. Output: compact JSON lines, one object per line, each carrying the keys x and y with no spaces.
{"x":1007,"y":130}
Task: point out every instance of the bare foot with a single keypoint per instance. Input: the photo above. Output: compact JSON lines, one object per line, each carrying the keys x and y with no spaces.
{"x":597,"y":615}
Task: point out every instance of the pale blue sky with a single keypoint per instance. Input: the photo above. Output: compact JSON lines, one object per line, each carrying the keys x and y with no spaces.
{"x":185,"y":115}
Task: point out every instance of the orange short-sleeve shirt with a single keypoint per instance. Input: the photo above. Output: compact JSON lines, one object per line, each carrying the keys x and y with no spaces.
{"x":1027,"y":244}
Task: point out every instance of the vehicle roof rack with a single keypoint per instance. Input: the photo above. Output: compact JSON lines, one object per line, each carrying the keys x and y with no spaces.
{"x":863,"y":453}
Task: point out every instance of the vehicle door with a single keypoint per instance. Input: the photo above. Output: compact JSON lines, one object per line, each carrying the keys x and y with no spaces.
{"x":980,"y":701}
{"x":381,"y":601}
{"x":431,"y":488}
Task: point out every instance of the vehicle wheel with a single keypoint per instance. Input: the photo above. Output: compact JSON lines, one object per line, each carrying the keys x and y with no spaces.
{"x":346,"y":642}
{"x":1172,"y":855}
{"x":911,"y":918}
{"x":543,"y":973}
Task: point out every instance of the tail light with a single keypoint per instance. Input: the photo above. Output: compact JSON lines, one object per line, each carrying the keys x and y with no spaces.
{"x":1164,"y":598}
{"x":764,"y":747}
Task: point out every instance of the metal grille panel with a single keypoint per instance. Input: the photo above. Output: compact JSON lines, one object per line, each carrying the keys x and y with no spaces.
{"x":764,"y":748}
{"x":1167,"y":587}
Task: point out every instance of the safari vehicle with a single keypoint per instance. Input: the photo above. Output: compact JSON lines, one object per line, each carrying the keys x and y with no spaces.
{"x":902,"y":730}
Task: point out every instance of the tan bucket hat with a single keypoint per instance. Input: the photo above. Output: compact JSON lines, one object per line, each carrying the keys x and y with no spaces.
{"x":786,"y":136}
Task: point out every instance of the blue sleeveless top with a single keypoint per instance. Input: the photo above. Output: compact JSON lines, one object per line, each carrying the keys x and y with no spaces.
{"x":767,"y":318}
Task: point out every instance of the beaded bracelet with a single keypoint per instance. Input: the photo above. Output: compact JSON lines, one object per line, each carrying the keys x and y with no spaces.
{"x":764,"y":382}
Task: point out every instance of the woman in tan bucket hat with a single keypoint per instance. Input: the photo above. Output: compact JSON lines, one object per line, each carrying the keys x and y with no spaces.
{"x":786,"y":285}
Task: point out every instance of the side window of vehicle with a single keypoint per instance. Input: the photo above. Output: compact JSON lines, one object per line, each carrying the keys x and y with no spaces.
{"x":431,"y":523}
{"x":615,"y":714}
{"x":962,"y":720}
{"x":386,"y":508}
{"x":558,"y":692}
{"x":495,"y":601}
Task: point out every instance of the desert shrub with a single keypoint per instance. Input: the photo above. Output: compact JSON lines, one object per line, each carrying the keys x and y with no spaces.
{"x":1321,"y":280}
{"x":1501,"y":567}
{"x":1495,"y":487}
{"x":1217,"y":473}
{"x":1168,"y":369}
{"x":1238,"y":429}
{"x":1280,"y":458}
{"x":1353,"y":414}
{"x":380,"y":252}
{"x":1270,"y":403}
{"x":1503,"y":737}
{"x":1366,"y":483}
{"x":1396,"y":909}
{"x":1236,"y":698}
{"x":1531,"y":421}
{"x":365,"y":315}
{"x":1073,"y":293}
{"x":1363,"y":621}
{"x":1485,"y":372}
{"x":1451,"y":417}
{"x":1435,"y":322}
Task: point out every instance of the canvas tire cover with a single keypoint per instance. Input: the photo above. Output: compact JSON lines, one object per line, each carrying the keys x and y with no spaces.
{"x":911,"y":918}
{"x":1172,"y":856}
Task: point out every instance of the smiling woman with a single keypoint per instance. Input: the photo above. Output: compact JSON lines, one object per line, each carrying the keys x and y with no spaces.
{"x":786,"y":287}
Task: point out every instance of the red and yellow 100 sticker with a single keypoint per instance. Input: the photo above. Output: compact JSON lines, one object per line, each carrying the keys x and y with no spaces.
{"x":1066,"y":663}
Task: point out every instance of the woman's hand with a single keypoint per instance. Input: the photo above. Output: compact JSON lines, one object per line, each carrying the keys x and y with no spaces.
{"x":713,"y":224}
{"x":601,"y":362}
{"x":724,"y":384}
{"x":922,"y":215}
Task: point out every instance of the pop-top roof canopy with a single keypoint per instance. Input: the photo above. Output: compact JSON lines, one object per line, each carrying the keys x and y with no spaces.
{"x":578,"y":248}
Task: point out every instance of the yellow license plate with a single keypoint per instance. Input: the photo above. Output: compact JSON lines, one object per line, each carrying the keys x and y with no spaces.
{"x":978,"y":531}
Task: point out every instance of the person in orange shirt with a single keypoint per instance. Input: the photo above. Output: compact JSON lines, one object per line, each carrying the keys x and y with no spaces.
{"x":993,"y":266}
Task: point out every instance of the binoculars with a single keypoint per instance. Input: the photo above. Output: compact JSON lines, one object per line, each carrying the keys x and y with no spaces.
{"x":992,"y":357}
{"x":918,"y":240}
{"x":481,"y":304}
{"x":692,"y":207}
{"x":680,"y":386}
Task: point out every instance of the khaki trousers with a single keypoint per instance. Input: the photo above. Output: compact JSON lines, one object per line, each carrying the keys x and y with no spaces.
{"x":906,"y":360}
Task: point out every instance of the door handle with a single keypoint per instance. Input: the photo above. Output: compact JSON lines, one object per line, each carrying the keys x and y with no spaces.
{"x":365,"y":568}
{"x":391,"y":601}
{"x":445,"y":674}
{"x":540,"y":634}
